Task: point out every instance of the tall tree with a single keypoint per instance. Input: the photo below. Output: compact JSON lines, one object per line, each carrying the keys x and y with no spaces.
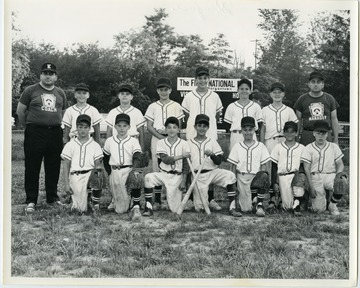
{"x":220,"y":54}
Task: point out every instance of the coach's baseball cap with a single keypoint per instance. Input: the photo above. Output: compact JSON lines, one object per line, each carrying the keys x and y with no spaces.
{"x":277,"y":85}
{"x":48,"y":67}
{"x":122,"y":117}
{"x":172,"y":120}
{"x":322,"y":126}
{"x":125,"y":87}
{"x":202,"y":118}
{"x":202,"y":71}
{"x":163,"y":82}
{"x":82,"y":87}
{"x":291,"y":124}
{"x":83,"y":118}
{"x":247,"y":121}
{"x":316,"y":74}
{"x":245,"y":81}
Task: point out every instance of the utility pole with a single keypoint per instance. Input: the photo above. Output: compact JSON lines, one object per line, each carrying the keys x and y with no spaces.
{"x":255,"y":54}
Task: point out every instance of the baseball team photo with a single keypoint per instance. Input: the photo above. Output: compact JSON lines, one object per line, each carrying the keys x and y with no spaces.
{"x":181,"y":143}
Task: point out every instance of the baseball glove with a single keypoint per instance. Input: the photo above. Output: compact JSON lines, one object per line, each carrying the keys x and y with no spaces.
{"x":96,"y":179}
{"x":341,"y":183}
{"x":261,"y":181}
{"x":300,"y":180}
{"x":141,"y":160}
{"x":135,"y":179}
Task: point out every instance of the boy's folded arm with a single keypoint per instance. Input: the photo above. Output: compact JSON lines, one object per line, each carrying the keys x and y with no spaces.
{"x":166,"y":159}
{"x":216,"y":159}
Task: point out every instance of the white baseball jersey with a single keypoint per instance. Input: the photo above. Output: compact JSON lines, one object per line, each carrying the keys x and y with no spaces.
{"x":158,"y":112}
{"x":274,"y":119}
{"x":197,"y":151}
{"x":121,"y":151}
{"x":195,"y":104}
{"x":249,"y":159}
{"x":322,"y":160}
{"x":178,"y":148}
{"x":73,"y":112}
{"x":82,"y":155}
{"x":136,"y":119}
{"x":235,"y":112}
{"x":287,"y":158}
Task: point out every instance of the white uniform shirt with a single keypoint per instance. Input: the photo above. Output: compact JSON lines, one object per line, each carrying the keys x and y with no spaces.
{"x":322,"y":160}
{"x":121,"y":151}
{"x":136,"y":119}
{"x":73,"y":112}
{"x":287,"y":158}
{"x":195,"y":104}
{"x":158,"y":113}
{"x":82,"y":156}
{"x":274,"y":119}
{"x":235,"y":112}
{"x":249,"y":159}
{"x":172,"y":150}
{"x":197,"y":150}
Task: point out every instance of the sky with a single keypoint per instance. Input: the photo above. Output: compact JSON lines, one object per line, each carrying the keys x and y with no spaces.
{"x":65,"y":22}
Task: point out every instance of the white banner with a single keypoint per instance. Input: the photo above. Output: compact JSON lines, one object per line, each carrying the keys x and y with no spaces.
{"x":216,"y":84}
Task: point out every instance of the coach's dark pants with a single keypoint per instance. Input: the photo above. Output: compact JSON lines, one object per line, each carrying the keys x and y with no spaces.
{"x":42,"y":142}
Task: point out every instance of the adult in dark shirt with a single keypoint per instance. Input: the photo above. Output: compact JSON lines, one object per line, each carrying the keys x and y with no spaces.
{"x":40,"y":110}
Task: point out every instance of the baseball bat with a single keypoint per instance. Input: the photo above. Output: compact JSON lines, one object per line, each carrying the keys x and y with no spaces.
{"x":188,"y":192}
{"x":205,"y":204}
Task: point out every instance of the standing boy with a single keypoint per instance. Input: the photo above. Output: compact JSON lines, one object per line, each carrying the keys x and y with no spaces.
{"x":81,"y":107}
{"x":241,"y":108}
{"x":316,"y":105}
{"x":322,"y":161}
{"x":120,"y":153}
{"x":286,"y":159}
{"x":200,"y":147}
{"x":156,"y":115}
{"x":81,"y":155}
{"x":171,"y":151}
{"x":249,"y":157}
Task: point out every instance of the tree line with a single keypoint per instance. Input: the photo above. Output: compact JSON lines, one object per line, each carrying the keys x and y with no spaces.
{"x":139,"y":56}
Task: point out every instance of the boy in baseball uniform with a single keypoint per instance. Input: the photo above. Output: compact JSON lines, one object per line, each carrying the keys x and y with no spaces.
{"x":203,"y":148}
{"x":248,"y":157}
{"x":286,"y":157}
{"x":239,"y":109}
{"x":156,"y":115}
{"x":120,"y":152}
{"x":81,"y":107}
{"x":171,"y":151}
{"x":322,"y":160}
{"x":202,"y":100}
{"x":81,"y":155}
{"x":271,"y":133}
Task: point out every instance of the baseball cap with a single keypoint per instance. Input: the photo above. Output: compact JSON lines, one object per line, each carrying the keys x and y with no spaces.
{"x":202,"y":71}
{"x":125,"y":87}
{"x":316,"y":74}
{"x":47,"y":66}
{"x":172,"y":120}
{"x":277,"y":85}
{"x":245,"y":81}
{"x":202,"y":118}
{"x":321,"y":126}
{"x":290,"y":124}
{"x":163,"y":82}
{"x":122,"y":117}
{"x":83,"y":118}
{"x":82,"y":87}
{"x":247,"y":121}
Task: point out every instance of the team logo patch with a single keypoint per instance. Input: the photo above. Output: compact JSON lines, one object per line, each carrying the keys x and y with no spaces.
{"x":49,"y":102}
{"x":317,"y":111}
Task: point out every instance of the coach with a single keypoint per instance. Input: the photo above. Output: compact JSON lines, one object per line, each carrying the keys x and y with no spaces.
{"x":40,"y":110}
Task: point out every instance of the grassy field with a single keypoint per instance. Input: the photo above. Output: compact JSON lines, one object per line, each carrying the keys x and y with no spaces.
{"x":56,"y":242}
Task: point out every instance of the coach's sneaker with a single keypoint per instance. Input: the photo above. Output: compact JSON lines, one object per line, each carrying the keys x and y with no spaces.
{"x":234,"y":213}
{"x":333,"y":209}
{"x":148,"y":210}
{"x":30,"y":208}
{"x":214,"y":206}
{"x":260,"y":211}
{"x":135,"y":214}
{"x":189,"y":205}
{"x":111,"y":207}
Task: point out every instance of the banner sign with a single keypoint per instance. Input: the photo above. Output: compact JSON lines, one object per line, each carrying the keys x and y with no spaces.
{"x":215,"y":84}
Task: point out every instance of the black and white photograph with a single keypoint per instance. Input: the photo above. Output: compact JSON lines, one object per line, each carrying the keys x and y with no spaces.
{"x":180,"y":143}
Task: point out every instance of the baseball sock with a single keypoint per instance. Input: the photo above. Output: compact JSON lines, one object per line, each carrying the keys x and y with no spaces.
{"x":231,"y":191}
{"x":260,"y":196}
{"x":96,"y":194}
{"x":335,"y":198}
{"x":135,"y":194}
{"x":211,"y":195}
{"x":148,"y":195}
{"x":157,"y":192}
{"x":253,"y":194}
{"x":89,"y":191}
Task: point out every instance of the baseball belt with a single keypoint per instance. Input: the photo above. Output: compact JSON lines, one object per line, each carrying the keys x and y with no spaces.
{"x":236,"y":131}
{"x":172,"y":172}
{"x":118,"y":167}
{"x":288,"y":173}
{"x":202,"y":171}
{"x":79,"y":172}
{"x":279,"y":136}
{"x":314,"y":173}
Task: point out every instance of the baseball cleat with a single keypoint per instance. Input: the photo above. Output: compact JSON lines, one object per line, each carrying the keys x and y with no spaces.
{"x":30,"y":208}
{"x":260,"y":211}
{"x":333,"y":209}
{"x":111,"y":207}
{"x":96,"y":208}
{"x":147,"y":212}
{"x":164,"y":206}
{"x":157,"y":206}
{"x":214,"y":206}
{"x":234,"y":213}
{"x":135,"y":214}
{"x":271,"y":208}
{"x":189,"y":205}
{"x":296,"y":208}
